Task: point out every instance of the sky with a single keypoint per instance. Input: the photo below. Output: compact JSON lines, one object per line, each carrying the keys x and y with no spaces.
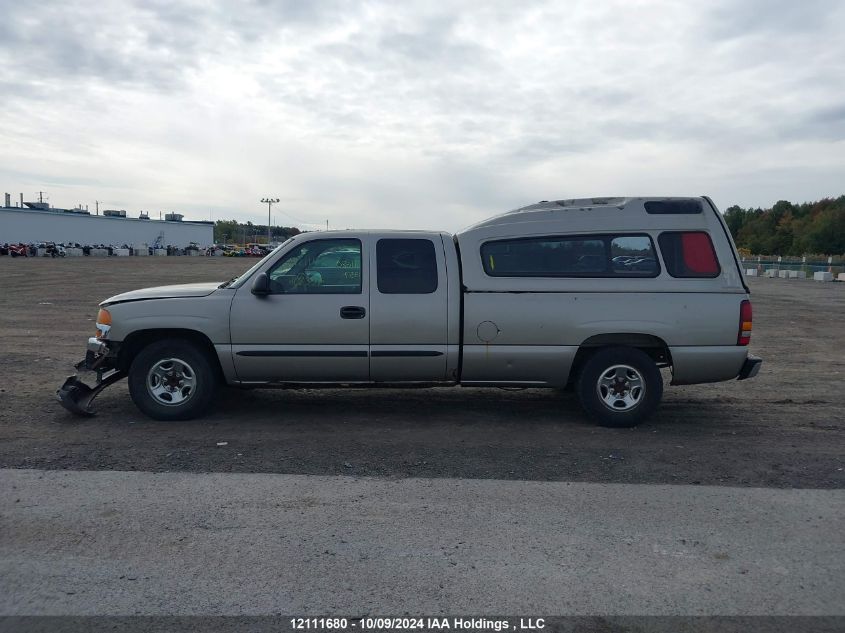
{"x":417,"y":114}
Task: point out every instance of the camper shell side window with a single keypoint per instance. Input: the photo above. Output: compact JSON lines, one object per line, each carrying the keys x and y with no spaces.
{"x":600,"y":255}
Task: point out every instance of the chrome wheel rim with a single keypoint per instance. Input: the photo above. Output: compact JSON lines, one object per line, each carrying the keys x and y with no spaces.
{"x":620,"y":388}
{"x":171,"y":382}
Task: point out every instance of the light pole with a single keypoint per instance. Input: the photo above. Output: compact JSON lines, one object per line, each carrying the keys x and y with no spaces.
{"x":270,"y":202}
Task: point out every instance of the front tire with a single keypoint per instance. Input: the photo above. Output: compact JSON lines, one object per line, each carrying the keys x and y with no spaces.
{"x":619,"y":386}
{"x":172,"y":379}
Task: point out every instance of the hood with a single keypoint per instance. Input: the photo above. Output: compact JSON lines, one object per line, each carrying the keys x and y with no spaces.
{"x":165,"y":292}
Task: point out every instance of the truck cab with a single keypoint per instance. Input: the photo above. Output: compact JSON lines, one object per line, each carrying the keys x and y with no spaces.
{"x":350,"y":307}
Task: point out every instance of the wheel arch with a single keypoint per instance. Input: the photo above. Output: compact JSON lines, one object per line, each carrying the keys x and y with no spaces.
{"x":652,"y":345}
{"x":139,"y":339}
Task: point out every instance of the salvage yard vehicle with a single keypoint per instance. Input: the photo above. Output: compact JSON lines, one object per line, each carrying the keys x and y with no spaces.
{"x":18,"y":250}
{"x":594,"y":294}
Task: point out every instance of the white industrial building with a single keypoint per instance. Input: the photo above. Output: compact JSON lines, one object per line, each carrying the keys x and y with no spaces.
{"x":33,"y":225}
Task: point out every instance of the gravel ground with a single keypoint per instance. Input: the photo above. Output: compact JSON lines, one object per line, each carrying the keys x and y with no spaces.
{"x":784,"y":429}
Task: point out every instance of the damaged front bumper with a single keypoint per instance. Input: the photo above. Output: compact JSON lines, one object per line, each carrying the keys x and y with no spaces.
{"x":101,"y":359}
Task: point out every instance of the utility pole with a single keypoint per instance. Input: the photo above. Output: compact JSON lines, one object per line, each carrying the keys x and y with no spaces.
{"x":270,"y":202}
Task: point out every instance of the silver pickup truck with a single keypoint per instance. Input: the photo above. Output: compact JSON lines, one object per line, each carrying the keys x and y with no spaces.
{"x":594,"y":294}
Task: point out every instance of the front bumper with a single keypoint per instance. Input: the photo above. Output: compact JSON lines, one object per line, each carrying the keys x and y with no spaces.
{"x":101,"y":358}
{"x":750,"y":368}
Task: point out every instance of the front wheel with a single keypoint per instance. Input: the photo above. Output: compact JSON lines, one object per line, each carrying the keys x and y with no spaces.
{"x":620,"y":386}
{"x":172,"y":379}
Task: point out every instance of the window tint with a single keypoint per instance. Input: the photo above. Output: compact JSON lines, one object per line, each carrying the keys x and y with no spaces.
{"x":689,"y":254}
{"x":664,"y":207}
{"x":406,"y":266}
{"x":583,"y":256}
{"x":319,"y":267}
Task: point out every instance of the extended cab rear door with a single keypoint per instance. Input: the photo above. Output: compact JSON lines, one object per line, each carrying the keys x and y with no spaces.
{"x":408,"y":307}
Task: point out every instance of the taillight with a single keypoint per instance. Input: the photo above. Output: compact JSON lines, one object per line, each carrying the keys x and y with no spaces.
{"x":744,"y":336}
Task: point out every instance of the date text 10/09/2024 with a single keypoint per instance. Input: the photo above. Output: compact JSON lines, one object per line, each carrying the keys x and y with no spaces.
{"x":416,"y":624}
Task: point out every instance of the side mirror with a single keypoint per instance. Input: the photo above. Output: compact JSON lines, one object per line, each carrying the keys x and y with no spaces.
{"x":261,"y":285}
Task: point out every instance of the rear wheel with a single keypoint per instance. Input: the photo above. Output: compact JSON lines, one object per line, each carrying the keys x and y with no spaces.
{"x":172,"y":379}
{"x":620,"y":386}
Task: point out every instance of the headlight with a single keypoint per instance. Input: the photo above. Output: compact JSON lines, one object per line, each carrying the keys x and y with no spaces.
{"x":103,"y":323}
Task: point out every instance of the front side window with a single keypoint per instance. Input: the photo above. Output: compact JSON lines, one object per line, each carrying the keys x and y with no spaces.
{"x":406,"y":266}
{"x":689,"y":254}
{"x":319,"y":267}
{"x":571,"y":256}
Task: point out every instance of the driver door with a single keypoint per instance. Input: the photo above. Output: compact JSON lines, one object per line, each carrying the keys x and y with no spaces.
{"x":314,"y":326}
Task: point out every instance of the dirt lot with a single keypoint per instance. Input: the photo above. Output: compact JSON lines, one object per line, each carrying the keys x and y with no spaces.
{"x":782,"y":429}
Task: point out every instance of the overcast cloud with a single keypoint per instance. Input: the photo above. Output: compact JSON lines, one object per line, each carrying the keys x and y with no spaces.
{"x":418,"y":114}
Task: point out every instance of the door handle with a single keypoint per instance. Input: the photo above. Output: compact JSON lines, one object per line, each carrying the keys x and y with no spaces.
{"x":352,"y":312}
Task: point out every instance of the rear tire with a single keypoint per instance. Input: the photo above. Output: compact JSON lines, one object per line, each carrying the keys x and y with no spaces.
{"x":172,"y":379}
{"x":619,"y":386}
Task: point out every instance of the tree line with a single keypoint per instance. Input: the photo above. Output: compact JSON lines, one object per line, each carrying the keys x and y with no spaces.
{"x":790,"y":229}
{"x":232,"y":231}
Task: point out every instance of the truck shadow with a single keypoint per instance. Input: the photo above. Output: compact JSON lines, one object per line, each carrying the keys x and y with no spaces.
{"x":427,"y":407}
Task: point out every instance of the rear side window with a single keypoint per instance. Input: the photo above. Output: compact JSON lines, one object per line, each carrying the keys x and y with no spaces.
{"x":571,"y":256}
{"x":689,"y":254}
{"x":406,"y":266}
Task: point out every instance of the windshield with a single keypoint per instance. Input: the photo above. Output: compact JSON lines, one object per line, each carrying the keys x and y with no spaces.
{"x":235,"y":281}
